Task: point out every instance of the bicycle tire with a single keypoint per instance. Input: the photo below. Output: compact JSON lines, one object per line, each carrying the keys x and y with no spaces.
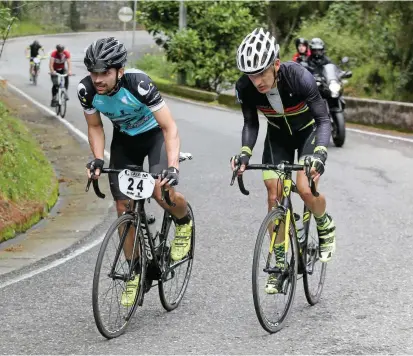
{"x":63,"y":106}
{"x":95,"y":290}
{"x":169,"y":306}
{"x":34,"y":78}
{"x":312,"y":298}
{"x":273,"y":327}
{"x":57,"y":108}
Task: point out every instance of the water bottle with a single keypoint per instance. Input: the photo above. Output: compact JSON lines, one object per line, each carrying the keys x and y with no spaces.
{"x":300,"y":228}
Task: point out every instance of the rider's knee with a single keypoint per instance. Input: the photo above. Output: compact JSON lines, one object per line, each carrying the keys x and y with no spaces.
{"x":121,"y":206}
{"x":273,"y":190}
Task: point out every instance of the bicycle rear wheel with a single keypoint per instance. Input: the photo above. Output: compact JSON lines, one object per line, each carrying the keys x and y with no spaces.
{"x":174,"y":280}
{"x":271,"y":318}
{"x":112,"y":271}
{"x":315,"y":270}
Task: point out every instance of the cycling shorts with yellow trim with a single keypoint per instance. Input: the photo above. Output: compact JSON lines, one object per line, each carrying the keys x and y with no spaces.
{"x":281,"y":146}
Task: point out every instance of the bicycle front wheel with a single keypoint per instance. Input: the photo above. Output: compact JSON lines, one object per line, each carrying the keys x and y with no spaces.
{"x":315,"y":270}
{"x":273,"y":308}
{"x":112,"y":272}
{"x":175,"y":278}
{"x":63,"y":104}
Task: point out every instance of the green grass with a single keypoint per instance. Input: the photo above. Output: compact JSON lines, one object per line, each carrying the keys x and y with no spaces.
{"x":157,"y":65}
{"x":25,"y":28}
{"x":26,"y":176}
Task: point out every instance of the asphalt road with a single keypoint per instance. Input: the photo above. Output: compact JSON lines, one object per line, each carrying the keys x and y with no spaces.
{"x":366,"y":305}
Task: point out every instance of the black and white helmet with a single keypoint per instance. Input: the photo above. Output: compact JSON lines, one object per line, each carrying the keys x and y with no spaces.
{"x":105,"y":53}
{"x":257,"y":52}
{"x":316,"y":43}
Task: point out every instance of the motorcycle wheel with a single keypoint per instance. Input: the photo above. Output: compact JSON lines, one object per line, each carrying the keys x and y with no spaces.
{"x":339,"y":129}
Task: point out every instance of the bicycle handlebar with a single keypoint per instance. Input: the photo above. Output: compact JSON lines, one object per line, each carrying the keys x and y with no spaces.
{"x":62,"y":75}
{"x":285,"y":167}
{"x":183,"y":156}
{"x":164,"y":193}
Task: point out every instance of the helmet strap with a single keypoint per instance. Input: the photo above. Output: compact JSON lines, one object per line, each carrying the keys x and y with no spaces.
{"x":274,"y":84}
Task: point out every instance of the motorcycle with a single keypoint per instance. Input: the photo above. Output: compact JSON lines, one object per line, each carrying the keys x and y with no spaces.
{"x":330,"y":85}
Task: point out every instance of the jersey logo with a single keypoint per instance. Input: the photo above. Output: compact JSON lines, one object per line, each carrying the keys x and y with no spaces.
{"x":124,"y":100}
{"x":81,"y":90}
{"x":141,"y":90}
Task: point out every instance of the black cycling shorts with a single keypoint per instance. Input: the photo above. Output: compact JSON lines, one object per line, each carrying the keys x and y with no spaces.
{"x":280,"y":146}
{"x":132,"y":150}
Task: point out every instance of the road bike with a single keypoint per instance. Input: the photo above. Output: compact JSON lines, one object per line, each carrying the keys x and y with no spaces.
{"x":150,"y":251}
{"x":61,"y":96}
{"x":301,"y":251}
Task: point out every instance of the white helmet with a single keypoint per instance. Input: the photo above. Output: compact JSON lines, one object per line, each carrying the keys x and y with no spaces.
{"x":257,"y":52}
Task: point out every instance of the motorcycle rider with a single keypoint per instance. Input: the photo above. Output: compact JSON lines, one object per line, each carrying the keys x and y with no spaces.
{"x":317,"y":59}
{"x":303,"y":51}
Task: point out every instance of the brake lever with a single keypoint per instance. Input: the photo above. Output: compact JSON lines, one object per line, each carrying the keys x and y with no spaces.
{"x":89,"y":181}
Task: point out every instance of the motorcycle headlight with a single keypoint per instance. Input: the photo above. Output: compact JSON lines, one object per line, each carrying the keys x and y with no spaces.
{"x":335,"y":89}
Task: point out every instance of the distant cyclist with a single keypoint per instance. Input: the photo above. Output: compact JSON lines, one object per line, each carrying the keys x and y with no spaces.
{"x":32,"y":51}
{"x":58,"y":58}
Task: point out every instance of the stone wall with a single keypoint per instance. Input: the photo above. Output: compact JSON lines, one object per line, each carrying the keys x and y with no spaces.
{"x":380,"y":112}
{"x":93,"y":15}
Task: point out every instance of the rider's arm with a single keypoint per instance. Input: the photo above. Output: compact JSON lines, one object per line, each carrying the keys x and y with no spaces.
{"x":251,"y":122}
{"x":69,"y":62}
{"x":318,"y":108}
{"x":147,"y":93}
{"x":51,"y":62}
{"x":170,"y":131}
{"x":96,"y":134}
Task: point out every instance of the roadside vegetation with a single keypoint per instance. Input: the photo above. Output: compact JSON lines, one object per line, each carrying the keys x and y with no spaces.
{"x":28,"y":184}
{"x":375,"y":35}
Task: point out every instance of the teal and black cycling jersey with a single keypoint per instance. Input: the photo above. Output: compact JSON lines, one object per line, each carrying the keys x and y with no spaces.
{"x":130,"y":108}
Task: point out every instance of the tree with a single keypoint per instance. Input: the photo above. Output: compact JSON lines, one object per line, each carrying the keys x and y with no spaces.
{"x":6,"y":21}
{"x":207,"y":47}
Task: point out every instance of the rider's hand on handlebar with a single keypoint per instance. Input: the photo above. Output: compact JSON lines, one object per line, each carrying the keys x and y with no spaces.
{"x":170,"y":177}
{"x":318,"y":161}
{"x":94,"y":167}
{"x":240,"y":162}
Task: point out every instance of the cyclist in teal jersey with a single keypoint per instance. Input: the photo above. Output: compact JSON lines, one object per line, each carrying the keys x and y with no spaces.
{"x":142,"y":127}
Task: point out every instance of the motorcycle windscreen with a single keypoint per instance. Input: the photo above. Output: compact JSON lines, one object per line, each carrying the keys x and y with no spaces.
{"x":331,"y":72}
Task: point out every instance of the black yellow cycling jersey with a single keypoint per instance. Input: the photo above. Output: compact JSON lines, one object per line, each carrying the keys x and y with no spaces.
{"x":293,"y":105}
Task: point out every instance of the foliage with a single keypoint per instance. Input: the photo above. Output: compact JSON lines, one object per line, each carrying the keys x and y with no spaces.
{"x":375,"y":35}
{"x":207,"y":46}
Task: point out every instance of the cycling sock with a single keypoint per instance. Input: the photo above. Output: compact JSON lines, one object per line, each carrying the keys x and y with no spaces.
{"x":185,"y":220}
{"x":321,"y":220}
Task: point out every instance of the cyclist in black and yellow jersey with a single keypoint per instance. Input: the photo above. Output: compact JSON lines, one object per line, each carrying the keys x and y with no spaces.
{"x":297,"y":119}
{"x":32,"y":51}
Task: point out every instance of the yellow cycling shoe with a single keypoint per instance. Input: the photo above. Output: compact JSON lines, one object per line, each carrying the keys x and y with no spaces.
{"x":129,"y":294}
{"x":181,"y":244}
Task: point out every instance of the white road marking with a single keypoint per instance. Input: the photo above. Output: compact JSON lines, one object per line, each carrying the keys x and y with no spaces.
{"x":54,"y":263}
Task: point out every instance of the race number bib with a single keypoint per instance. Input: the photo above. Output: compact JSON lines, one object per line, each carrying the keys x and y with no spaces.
{"x":136,"y":185}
